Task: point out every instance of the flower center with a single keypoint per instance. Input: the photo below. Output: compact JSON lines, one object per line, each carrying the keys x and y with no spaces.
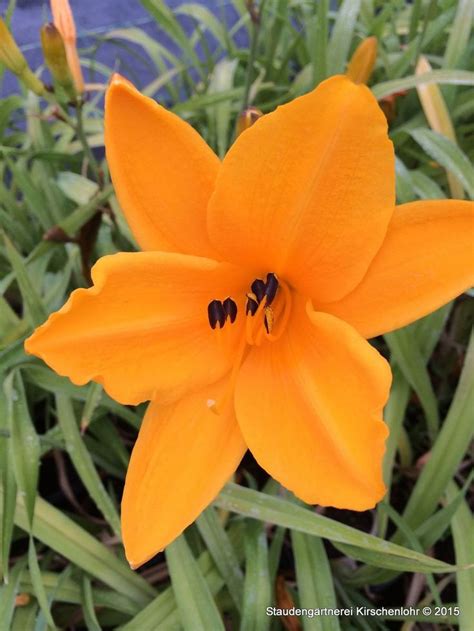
{"x":267,"y":312}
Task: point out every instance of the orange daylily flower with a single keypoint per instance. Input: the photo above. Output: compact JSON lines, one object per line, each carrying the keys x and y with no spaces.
{"x":244,"y":319}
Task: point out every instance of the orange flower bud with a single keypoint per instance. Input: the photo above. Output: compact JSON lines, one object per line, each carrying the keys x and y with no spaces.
{"x":64,"y":22}
{"x":247,"y":118}
{"x":362,"y":61}
{"x":22,"y":599}
{"x":12,"y":57}
{"x":56,"y":58}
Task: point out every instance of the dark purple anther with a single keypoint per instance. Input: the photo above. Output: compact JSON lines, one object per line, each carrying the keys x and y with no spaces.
{"x":271,"y":287}
{"x":252,"y":306}
{"x":230,"y":309}
{"x":216,"y":314}
{"x":258,"y":288}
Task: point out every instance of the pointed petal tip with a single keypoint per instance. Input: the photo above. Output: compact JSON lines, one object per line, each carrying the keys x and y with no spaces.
{"x":117,"y":81}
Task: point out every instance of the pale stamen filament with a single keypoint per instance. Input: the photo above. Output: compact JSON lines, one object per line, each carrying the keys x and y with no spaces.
{"x":281,"y":321}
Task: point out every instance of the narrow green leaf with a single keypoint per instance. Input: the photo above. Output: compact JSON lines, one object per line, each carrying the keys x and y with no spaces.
{"x":94,"y":397}
{"x":403,"y":346}
{"x":29,"y":293}
{"x":61,"y":534}
{"x":162,"y":612}
{"x":7,"y":594}
{"x":37,"y":584}
{"x":430,"y":531}
{"x":9,"y":486}
{"x":341,"y":38}
{"x":277,"y":511}
{"x":49,"y":381}
{"x":462,"y":526}
{"x":318,"y":42}
{"x":221,"y":550}
{"x":83,"y":463}
{"x":24,"y":618}
{"x":274,"y":553}
{"x":448,"y":450}
{"x":64,"y":589}
{"x":425,"y":187}
{"x":448,"y":155}
{"x":206,"y":18}
{"x":75,"y":187}
{"x":90,"y":617}
{"x":452,"y":77}
{"x":257,"y":589}
{"x":459,"y":35}
{"x":196,"y":606}
{"x":81,"y":215}
{"x":222,"y":79}
{"x":315,"y":585}
{"x":24,"y":442}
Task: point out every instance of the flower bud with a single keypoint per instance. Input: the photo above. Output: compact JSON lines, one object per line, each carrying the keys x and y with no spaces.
{"x":22,"y":599}
{"x":362,"y":61}
{"x":56,"y":58}
{"x":64,"y":22}
{"x":247,"y":118}
{"x":12,"y":57}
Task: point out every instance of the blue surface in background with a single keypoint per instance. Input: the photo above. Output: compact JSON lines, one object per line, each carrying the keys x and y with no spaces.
{"x":96,"y":17}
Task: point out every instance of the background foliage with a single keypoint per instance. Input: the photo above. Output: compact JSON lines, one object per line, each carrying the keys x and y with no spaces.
{"x":64,"y":449}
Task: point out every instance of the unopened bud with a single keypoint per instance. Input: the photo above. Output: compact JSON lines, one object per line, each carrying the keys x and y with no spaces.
{"x":56,"y":58}
{"x":12,"y":57}
{"x":22,"y":599}
{"x":362,"y":61}
{"x":247,"y":118}
{"x":64,"y":22}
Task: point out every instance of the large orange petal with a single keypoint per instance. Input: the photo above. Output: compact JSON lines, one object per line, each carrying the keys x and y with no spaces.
{"x":310,"y":409}
{"x":184,"y":454}
{"x":426,"y":260}
{"x":308,"y":191}
{"x":142,"y":330}
{"x":163,"y":171}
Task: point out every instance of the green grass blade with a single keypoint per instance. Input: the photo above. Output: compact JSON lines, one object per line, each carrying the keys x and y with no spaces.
{"x":221,"y":550}
{"x":448,"y":155}
{"x":31,"y":298}
{"x":448,"y":450}
{"x":37,"y":584}
{"x":90,"y":617}
{"x":283,"y":513}
{"x":7,"y":595}
{"x":83,"y":463}
{"x":9,"y":485}
{"x":57,"y":531}
{"x":462,"y":526}
{"x":219,"y":115}
{"x":196,"y":606}
{"x":404,"y":348}
{"x":452,"y":77}
{"x":206,"y":18}
{"x":162,"y":612}
{"x":341,"y":38}
{"x":435,"y":526}
{"x":25,"y":444}
{"x":459,"y":36}
{"x":257,"y":589}
{"x":64,"y":589}
{"x":315,"y":585}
